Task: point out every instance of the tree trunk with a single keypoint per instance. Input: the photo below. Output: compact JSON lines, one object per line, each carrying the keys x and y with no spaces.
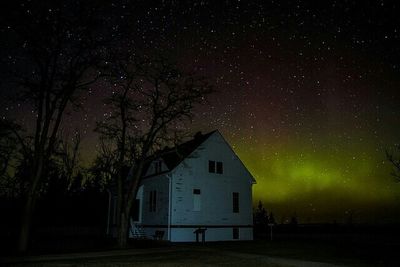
{"x":125,"y":212}
{"x":123,"y":230}
{"x":29,"y":208}
{"x":26,"y":221}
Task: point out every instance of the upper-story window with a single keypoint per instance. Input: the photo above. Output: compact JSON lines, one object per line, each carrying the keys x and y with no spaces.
{"x":215,"y":167}
{"x":158,"y":166}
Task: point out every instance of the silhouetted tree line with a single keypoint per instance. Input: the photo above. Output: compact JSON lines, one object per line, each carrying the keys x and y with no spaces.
{"x":263,"y":221}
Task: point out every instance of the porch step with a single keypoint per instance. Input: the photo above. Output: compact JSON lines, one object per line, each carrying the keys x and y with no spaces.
{"x":137,"y":231}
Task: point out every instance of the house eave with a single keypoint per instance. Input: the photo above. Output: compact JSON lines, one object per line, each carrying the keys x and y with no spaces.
{"x":157,"y":174}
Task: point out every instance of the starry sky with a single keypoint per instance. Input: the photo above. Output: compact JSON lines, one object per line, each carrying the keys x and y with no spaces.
{"x":307,"y":94}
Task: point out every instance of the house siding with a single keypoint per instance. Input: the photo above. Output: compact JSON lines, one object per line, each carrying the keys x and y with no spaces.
{"x":211,"y":234}
{"x":160,"y":184}
{"x":213,"y":207}
{"x":216,"y":194}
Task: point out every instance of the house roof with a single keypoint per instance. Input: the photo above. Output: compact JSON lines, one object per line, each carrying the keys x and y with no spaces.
{"x":172,"y":157}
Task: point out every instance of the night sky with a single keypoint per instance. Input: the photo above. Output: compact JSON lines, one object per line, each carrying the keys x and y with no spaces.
{"x":307,"y":94}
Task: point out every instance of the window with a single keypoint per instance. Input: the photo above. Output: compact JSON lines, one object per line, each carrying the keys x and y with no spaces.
{"x":211,"y":166}
{"x":153,"y":201}
{"x":235,"y":233}
{"x":157,"y":166}
{"x":215,"y":167}
{"x":220,"y":169}
{"x":196,"y":200}
{"x":235,"y":202}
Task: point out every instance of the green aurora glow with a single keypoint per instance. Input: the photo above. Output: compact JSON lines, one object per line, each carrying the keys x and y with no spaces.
{"x":322,"y":184}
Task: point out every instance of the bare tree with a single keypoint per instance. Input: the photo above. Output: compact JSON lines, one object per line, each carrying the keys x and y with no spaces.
{"x":67,"y":158}
{"x":393,"y":156}
{"x":58,"y":47}
{"x":103,"y":169}
{"x":152,"y":96}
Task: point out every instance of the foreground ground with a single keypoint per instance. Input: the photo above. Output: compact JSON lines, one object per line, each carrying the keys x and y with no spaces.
{"x":173,"y":256}
{"x":255,"y":253}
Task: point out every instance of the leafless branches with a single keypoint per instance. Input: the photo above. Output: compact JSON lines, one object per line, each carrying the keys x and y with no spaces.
{"x":152,"y":96}
{"x":67,"y":156}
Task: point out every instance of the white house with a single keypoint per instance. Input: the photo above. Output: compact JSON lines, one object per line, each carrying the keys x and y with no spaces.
{"x":199,"y":187}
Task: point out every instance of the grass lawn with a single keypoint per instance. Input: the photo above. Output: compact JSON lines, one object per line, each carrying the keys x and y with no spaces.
{"x":278,"y":253}
{"x":342,"y":253}
{"x":175,"y":256}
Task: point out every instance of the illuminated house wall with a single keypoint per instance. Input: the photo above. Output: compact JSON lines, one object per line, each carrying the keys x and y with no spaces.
{"x":192,"y":193}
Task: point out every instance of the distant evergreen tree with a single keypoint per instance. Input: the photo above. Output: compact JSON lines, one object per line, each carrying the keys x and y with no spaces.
{"x":260,"y":215}
{"x":261,"y":220}
{"x":271,"y":218}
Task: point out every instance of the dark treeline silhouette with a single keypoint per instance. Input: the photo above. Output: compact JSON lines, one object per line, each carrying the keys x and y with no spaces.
{"x":346,"y":233}
{"x":262,"y":221}
{"x":65,"y":219}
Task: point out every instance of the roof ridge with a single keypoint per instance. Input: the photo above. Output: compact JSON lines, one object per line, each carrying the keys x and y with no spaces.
{"x":173,"y":156}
